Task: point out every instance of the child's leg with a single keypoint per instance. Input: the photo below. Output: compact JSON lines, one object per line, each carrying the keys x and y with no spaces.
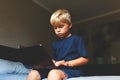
{"x":33,"y":75}
{"x":38,"y":74}
{"x":56,"y":74}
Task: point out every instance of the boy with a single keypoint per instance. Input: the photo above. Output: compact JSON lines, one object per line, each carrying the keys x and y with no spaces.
{"x":69,"y":52}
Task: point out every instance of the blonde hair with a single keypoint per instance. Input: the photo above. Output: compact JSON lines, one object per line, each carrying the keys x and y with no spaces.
{"x":61,"y":15}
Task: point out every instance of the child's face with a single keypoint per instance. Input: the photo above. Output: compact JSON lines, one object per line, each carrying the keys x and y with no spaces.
{"x":62,"y":30}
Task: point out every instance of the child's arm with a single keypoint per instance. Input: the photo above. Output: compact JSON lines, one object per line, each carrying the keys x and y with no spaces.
{"x":77,"y":62}
{"x":72,"y":63}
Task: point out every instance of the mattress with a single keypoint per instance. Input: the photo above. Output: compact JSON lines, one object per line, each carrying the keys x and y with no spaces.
{"x":23,"y":77}
{"x":95,"y":78}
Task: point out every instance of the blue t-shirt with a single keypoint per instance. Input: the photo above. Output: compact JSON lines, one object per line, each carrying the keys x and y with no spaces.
{"x":69,"y":48}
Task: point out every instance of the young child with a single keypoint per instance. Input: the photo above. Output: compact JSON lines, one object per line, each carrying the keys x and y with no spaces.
{"x":69,"y":51}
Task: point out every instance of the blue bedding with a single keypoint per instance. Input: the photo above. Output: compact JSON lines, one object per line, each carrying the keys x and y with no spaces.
{"x":13,"y":76}
{"x":10,"y":70}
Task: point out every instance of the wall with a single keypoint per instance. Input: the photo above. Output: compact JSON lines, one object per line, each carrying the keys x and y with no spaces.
{"x":22,"y":22}
{"x":115,"y":52}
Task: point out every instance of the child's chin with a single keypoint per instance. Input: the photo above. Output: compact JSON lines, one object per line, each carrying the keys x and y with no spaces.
{"x":60,"y":36}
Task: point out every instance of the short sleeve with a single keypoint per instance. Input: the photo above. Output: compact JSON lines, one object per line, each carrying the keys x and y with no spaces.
{"x":81,"y":48}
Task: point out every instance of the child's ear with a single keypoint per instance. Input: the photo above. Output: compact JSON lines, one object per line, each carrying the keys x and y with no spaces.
{"x":70,"y":25}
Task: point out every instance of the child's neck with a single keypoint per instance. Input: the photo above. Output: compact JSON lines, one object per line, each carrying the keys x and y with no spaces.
{"x":69,"y":35}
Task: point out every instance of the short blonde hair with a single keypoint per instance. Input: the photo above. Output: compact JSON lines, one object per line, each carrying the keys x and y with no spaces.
{"x":61,"y":15}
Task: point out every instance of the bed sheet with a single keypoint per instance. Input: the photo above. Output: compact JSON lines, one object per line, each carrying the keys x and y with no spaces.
{"x":95,"y":78}
{"x":23,"y":77}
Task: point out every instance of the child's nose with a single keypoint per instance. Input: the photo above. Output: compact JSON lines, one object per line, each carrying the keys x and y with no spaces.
{"x":58,"y":29}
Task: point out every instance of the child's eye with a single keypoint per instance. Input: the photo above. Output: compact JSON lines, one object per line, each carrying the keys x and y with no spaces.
{"x":61,"y":26}
{"x":55,"y":27}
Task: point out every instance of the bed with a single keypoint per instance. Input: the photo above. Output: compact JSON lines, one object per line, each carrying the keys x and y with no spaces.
{"x":95,"y":78}
{"x":23,"y":77}
{"x":92,"y":71}
{"x":99,"y":72}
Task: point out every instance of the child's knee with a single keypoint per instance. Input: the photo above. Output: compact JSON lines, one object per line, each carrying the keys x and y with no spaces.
{"x":55,"y":73}
{"x":33,"y":75}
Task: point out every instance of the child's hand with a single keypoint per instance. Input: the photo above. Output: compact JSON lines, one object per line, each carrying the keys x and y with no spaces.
{"x":60,"y":63}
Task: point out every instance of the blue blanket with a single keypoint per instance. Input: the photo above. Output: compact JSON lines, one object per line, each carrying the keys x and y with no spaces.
{"x":13,"y":76}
